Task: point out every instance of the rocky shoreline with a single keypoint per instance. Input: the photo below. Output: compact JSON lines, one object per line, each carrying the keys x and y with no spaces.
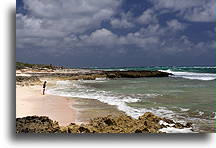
{"x":33,"y":77}
{"x":147,"y":123}
{"x":107,"y":74}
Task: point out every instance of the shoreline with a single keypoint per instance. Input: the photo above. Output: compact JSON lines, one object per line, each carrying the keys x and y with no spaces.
{"x":64,"y":110}
{"x":37,"y":113}
{"x":30,"y":102}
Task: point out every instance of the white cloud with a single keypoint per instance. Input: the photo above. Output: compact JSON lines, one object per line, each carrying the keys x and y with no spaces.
{"x":184,"y":45}
{"x":147,"y":17}
{"x":191,"y":10}
{"x":203,"y":13}
{"x":125,"y":21}
{"x":176,"y":4}
{"x":27,"y":22}
{"x":107,"y":39}
{"x":32,"y":27}
{"x":73,"y":16}
{"x":153,"y":30}
{"x":100,"y":37}
{"x":120,"y":23}
{"x":69,"y":8}
{"x":175,"y":25}
{"x":74,"y":26}
{"x":58,"y":19}
{"x":139,"y":40}
{"x":145,"y":39}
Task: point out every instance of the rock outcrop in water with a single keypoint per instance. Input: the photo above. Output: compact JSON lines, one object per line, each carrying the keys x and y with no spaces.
{"x":135,"y":74}
{"x":147,"y":123}
{"x":33,"y":77}
{"x":30,"y":73}
{"x":42,"y":70}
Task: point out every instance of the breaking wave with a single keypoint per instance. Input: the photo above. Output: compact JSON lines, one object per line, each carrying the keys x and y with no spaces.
{"x":192,"y":75}
{"x":119,"y":100}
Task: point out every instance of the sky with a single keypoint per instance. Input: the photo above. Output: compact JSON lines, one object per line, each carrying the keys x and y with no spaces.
{"x":116,"y":33}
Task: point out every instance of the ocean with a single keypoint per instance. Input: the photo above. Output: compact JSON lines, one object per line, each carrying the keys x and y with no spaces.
{"x":186,"y":96}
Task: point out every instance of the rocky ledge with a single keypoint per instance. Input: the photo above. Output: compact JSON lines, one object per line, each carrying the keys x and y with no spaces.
{"x":147,"y":123}
{"x":135,"y":74}
{"x":33,"y":78}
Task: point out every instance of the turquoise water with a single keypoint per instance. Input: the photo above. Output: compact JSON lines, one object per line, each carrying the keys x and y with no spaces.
{"x":184,"y":97}
{"x":198,"y":73}
{"x":198,"y":69}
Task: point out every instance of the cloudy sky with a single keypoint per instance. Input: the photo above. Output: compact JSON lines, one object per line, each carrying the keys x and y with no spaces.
{"x":108,"y":33}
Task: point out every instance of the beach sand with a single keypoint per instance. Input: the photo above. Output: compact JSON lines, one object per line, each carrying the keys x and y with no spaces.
{"x":30,"y":101}
{"x":64,"y":110}
{"x":91,"y":108}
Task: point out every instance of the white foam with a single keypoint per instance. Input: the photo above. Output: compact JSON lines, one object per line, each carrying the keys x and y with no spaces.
{"x":184,"y":109}
{"x":176,"y":130}
{"x":121,"y":102}
{"x":76,"y":89}
{"x":65,"y":82}
{"x":122,"y":70}
{"x":192,"y":75}
{"x":163,"y":111}
{"x":161,"y":122}
{"x":23,"y":74}
{"x":149,"y":95}
{"x":113,"y":99}
{"x":201,"y":113}
{"x":110,"y":98}
{"x":100,"y":79}
{"x":152,"y":95}
{"x":214,"y":115}
{"x":102,"y":96}
{"x":86,"y":81}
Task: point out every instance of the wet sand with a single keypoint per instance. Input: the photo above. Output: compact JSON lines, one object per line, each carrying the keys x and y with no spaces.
{"x":64,"y":110}
{"x":91,"y":108}
{"x":30,"y":101}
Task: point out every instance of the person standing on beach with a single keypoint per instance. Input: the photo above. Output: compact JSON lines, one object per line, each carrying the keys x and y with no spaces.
{"x":44,"y":86}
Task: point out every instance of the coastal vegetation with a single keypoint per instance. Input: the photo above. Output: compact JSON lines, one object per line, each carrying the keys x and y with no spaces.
{"x":21,"y":65}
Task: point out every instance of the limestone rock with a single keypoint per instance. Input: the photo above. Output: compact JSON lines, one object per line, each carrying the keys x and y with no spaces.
{"x":147,"y":123}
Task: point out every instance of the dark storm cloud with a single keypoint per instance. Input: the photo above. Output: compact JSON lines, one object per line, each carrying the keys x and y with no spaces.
{"x":115,"y":33}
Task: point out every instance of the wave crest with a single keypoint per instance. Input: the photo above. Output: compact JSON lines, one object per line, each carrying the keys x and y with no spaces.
{"x":192,"y":75}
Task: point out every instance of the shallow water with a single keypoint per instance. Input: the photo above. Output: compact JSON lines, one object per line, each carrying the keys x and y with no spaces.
{"x":180,"y":99}
{"x":187,"y":96}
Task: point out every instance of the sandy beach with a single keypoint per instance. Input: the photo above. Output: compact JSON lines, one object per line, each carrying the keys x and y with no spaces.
{"x":30,"y":101}
{"x":64,"y":110}
{"x":94,"y":112}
